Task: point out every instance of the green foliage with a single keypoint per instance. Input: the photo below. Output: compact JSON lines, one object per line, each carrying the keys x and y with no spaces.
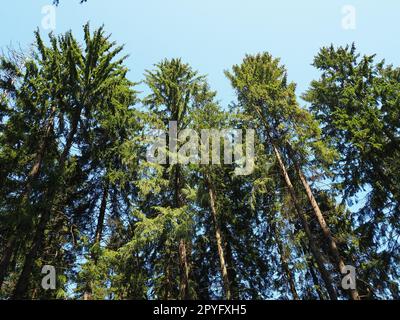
{"x":355,"y":101}
{"x":77,"y":192}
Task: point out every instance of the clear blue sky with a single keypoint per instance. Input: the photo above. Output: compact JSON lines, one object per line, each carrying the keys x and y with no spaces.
{"x":212,"y":35}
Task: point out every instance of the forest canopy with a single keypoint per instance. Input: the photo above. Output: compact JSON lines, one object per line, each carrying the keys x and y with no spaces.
{"x":78,"y":193}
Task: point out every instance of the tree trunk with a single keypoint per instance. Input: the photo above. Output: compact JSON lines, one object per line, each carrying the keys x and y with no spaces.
{"x":285,"y":265}
{"x":232,"y":274}
{"x":5,"y":260}
{"x":224,"y":270}
{"x":314,"y":250}
{"x":35,"y":171}
{"x":184,"y":283}
{"x":100,"y":220}
{"x":315,"y":278}
{"x":310,"y":264}
{"x":325,"y":229}
{"x":168,"y":280}
{"x":184,"y":290}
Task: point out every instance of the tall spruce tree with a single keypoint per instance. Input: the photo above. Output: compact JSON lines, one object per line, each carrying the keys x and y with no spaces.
{"x":356,"y":101}
{"x":292,"y":133}
{"x":63,"y":89}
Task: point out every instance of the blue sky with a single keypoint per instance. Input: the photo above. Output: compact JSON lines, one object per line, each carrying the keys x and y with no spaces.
{"x":212,"y":35}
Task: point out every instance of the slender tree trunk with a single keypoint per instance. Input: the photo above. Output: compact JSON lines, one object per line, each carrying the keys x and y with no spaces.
{"x":310,"y":265}
{"x":23,"y":281}
{"x":285,"y":265}
{"x":184,"y":290}
{"x":100,"y":220}
{"x":87,"y":296}
{"x":6,"y":258}
{"x":184,"y":283}
{"x":315,"y":278}
{"x":325,"y":229}
{"x":168,"y":280}
{"x":314,"y":250}
{"x":35,"y":170}
{"x":232,"y":274}
{"x":224,"y":270}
